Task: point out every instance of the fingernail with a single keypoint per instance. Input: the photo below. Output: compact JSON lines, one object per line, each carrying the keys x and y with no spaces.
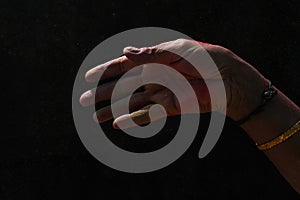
{"x":86,"y":98}
{"x":123,"y":122}
{"x":115,"y":126}
{"x":133,"y":50}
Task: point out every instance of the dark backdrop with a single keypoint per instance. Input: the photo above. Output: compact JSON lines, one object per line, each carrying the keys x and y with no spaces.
{"x":42,"y":46}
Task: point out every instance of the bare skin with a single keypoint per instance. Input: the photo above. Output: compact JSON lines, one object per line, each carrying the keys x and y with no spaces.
{"x":243,"y":84}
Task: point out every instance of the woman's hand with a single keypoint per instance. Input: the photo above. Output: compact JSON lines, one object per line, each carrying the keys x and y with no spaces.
{"x":243,"y":84}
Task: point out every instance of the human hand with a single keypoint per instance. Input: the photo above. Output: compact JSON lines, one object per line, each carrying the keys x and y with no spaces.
{"x":243,"y":84}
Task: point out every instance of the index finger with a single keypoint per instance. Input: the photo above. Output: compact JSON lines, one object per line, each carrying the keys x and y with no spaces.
{"x":110,"y":69}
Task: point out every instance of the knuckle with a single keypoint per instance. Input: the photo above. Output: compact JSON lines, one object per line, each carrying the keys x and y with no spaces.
{"x":152,"y":50}
{"x":220,"y":50}
{"x":182,"y":41}
{"x":221,"y":55}
{"x":121,"y":63}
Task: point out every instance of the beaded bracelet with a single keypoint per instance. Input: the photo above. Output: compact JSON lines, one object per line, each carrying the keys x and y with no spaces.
{"x":267,"y":95}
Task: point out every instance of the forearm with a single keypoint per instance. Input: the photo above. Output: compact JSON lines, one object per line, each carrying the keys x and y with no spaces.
{"x":279,"y":115}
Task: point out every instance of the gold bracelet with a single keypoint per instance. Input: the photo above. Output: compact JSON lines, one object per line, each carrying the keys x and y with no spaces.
{"x":281,"y":138}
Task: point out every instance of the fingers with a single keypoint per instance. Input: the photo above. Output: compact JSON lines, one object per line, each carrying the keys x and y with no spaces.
{"x":133,"y":57}
{"x":137,"y":101}
{"x":104,"y":91}
{"x":167,"y":54}
{"x":140,"y":117}
{"x":110,"y":69}
{"x":143,"y":116}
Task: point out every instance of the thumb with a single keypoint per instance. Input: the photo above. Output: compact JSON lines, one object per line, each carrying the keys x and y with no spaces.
{"x":154,"y":54}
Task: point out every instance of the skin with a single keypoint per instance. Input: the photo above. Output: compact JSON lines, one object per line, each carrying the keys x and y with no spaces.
{"x":278,"y":115}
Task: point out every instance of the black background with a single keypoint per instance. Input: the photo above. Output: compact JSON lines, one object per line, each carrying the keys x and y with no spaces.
{"x":42,"y":47}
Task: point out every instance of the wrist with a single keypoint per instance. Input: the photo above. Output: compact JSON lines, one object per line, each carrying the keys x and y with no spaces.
{"x":246,"y":92}
{"x":266,"y":96}
{"x":276,"y":117}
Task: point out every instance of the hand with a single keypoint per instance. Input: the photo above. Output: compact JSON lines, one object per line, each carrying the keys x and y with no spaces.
{"x":243,"y":84}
